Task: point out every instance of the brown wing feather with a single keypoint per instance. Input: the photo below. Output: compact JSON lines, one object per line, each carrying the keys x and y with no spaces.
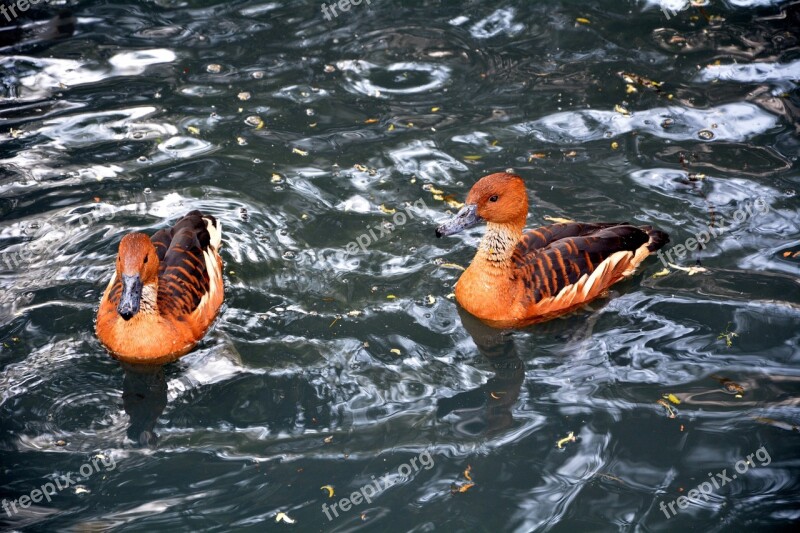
{"x":545,"y":271}
{"x":537,"y":238}
{"x":184,"y":278}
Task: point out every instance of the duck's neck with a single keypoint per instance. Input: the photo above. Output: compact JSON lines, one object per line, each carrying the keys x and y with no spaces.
{"x":149,"y":302}
{"x":498,"y":243}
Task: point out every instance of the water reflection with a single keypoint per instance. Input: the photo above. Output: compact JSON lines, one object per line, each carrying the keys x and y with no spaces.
{"x":144,"y":397}
{"x":487,"y":410}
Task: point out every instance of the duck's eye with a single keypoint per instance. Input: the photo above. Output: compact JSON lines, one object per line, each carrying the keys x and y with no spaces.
{"x":493,"y":198}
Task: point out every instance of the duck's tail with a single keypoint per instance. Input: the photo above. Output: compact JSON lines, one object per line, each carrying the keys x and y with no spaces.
{"x":658,"y":239}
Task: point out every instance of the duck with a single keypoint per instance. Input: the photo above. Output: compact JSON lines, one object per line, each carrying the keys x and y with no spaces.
{"x":518,"y":277}
{"x":164,"y":293}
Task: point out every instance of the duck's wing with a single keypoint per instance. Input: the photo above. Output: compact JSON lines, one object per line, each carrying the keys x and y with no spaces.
{"x":578,"y":261}
{"x":190,"y":278}
{"x":535,"y":239}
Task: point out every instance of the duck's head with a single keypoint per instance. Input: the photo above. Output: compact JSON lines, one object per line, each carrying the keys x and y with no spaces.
{"x":497,"y":198}
{"x":137,"y":266}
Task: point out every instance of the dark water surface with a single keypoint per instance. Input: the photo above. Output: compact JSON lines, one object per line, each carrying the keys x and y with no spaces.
{"x":303,"y":135}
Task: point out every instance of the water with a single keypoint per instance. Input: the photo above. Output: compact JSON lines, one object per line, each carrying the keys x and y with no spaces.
{"x":327,"y":368}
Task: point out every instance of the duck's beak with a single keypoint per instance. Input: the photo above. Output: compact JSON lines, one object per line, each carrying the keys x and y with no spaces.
{"x":131,"y":296}
{"x":465,"y":218}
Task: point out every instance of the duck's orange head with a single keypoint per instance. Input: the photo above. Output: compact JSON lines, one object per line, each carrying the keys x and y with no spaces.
{"x":499,"y":198}
{"x":137,"y":266}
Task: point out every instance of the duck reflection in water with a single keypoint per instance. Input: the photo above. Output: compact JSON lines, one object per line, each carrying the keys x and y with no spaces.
{"x":487,"y":410}
{"x":144,"y":398}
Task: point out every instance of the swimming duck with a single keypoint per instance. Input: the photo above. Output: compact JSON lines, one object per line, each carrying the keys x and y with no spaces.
{"x":519,"y":278}
{"x":165,"y":292}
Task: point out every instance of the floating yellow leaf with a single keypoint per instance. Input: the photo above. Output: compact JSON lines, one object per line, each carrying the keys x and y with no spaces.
{"x":276,"y":178}
{"x":674,"y":399}
{"x":538,"y":155}
{"x":453,"y":202}
{"x":391,"y":297}
{"x":329,"y":489}
{"x":283,"y":517}
{"x":298,"y":151}
{"x":466,"y":473}
{"x":473,"y":157}
{"x":571,"y":153}
{"x":395,"y":351}
{"x":328,"y":440}
{"x":438,"y":197}
{"x":391,"y":127}
{"x":614,"y":145}
{"x":661,"y":273}
{"x":630,"y":89}
{"x":452,"y":265}
{"x":194,"y":130}
{"x":430,"y":299}
{"x":388,"y":210}
{"x":455,"y":489}
{"x":435,"y":109}
{"x":619,"y":109}
{"x":569,"y":438}
{"x":360,"y":168}
{"x":582,"y":20}
{"x":371,"y":121}
{"x":690,"y":270}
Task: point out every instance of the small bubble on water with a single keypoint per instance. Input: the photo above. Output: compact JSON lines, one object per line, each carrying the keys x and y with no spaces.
{"x":257,"y":74}
{"x":288,"y":254}
{"x":141,"y":159}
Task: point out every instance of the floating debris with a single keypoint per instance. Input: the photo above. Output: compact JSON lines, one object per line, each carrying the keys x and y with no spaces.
{"x":730,"y":385}
{"x":728,"y":336}
{"x":255,"y":121}
{"x":300,"y":152}
{"x":243,"y":96}
{"x":706,"y":135}
{"x":396,"y":351}
{"x":661,"y":273}
{"x":689,"y":270}
{"x":455,"y":488}
{"x":328,"y":488}
{"x":582,"y":20}
{"x":641,"y":80}
{"x":214,"y":68}
{"x":668,"y":407}
{"x":283,"y":517}
{"x":569,"y":438}
{"x":619,"y":109}
{"x":671,"y":397}
{"x":387,"y":210}
{"x":81,"y":489}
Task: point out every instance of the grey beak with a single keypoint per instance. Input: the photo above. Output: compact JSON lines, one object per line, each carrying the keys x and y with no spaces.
{"x":131,"y":296}
{"x":465,"y":218}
